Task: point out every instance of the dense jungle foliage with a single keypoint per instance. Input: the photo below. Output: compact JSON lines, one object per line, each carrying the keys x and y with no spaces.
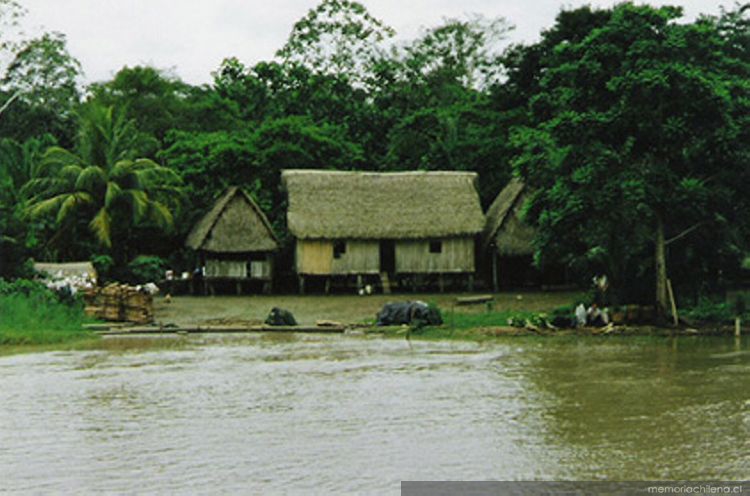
{"x":630,"y":124}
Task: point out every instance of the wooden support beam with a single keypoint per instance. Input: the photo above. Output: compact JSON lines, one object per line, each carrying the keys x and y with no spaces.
{"x":495,"y":264}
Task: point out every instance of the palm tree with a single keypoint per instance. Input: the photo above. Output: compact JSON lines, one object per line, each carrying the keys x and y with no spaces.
{"x":102,"y":181}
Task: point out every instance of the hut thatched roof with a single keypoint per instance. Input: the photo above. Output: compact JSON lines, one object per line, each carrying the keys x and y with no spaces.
{"x":235,"y":224}
{"x":368,"y":205}
{"x":504,"y":227}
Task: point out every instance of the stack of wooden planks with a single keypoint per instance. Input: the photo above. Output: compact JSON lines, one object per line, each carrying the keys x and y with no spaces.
{"x":120,"y":303}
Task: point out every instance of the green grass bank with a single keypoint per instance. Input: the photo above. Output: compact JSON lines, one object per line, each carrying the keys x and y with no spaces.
{"x":33,"y":320}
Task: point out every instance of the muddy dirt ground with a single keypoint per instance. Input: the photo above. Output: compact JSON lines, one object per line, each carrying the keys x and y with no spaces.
{"x":184,"y":310}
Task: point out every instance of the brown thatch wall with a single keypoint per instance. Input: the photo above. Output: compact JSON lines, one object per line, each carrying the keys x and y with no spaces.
{"x":364,"y":205}
{"x":504,"y":228}
{"x":235,"y":224}
{"x":414,"y":257}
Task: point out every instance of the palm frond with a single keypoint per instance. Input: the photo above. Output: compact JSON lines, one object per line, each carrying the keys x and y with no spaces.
{"x":159,"y":214}
{"x":89,"y":178}
{"x":114,"y":192}
{"x":139,"y":202}
{"x":45,"y":207}
{"x":55,"y":158}
{"x":101,"y":225}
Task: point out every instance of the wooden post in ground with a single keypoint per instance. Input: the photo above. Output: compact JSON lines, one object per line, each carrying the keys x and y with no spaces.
{"x":301,"y":284}
{"x":675,"y":317}
{"x":471,"y":282}
{"x":441,"y":283}
{"x":737,"y":326}
{"x":328,"y":285}
{"x":495,"y":282}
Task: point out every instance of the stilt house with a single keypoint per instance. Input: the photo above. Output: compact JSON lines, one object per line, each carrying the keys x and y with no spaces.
{"x":383,"y":224}
{"x":506,"y":239}
{"x":235,"y":242}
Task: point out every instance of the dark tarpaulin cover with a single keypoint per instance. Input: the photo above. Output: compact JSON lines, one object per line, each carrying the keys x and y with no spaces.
{"x":408,"y":312}
{"x":280,"y":317}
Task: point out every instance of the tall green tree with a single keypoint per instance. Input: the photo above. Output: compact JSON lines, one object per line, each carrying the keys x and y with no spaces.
{"x":104,"y":184}
{"x":44,"y":77}
{"x":337,"y":37}
{"x":159,"y":102}
{"x":637,"y":145}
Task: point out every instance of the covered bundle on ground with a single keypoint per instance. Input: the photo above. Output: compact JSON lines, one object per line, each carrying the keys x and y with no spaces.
{"x":122,"y":303}
{"x":417,"y":313}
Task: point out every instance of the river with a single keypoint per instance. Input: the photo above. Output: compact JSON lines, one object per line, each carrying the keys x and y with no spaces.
{"x":309,"y":414}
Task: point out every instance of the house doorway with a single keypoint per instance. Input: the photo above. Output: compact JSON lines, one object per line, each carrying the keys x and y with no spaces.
{"x":388,"y":256}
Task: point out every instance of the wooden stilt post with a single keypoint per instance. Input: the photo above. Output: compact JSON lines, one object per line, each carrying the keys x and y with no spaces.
{"x":328,"y":285}
{"x":441,"y":282}
{"x":495,"y":282}
{"x":301,"y":284}
{"x":737,"y":326}
{"x":675,"y":317}
{"x":471,"y":282}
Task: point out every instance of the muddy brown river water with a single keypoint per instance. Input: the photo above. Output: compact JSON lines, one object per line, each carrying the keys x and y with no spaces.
{"x":304,"y":414}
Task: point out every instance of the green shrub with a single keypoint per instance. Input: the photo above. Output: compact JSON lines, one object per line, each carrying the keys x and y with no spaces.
{"x":103,"y":265}
{"x":707,"y":310}
{"x":145,"y":269}
{"x":27,"y":288}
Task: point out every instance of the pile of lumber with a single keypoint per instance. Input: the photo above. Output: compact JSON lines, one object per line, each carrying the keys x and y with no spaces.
{"x":120,"y":303}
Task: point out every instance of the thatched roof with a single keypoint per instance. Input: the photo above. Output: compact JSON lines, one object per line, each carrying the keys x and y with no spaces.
{"x":504,"y":228}
{"x":63,"y":270}
{"x":235,"y":224}
{"x":368,"y":205}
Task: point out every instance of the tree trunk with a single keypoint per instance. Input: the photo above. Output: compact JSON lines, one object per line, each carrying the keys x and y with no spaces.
{"x":662,"y":297}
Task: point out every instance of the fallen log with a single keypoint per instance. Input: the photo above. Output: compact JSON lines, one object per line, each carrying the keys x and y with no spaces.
{"x":195,"y":329}
{"x":474,"y":300}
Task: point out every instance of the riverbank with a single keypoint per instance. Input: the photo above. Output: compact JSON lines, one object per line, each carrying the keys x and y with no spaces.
{"x":39,"y":320}
{"x":508,"y":314}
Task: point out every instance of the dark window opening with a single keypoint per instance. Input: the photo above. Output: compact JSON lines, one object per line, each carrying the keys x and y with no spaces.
{"x":436,"y":247}
{"x":339,"y":248}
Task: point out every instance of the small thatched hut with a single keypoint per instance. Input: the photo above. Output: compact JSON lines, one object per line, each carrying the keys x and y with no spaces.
{"x":387,"y":224}
{"x":235,"y":242}
{"x":506,"y":239}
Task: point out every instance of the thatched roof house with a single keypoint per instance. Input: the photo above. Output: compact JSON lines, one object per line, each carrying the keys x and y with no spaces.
{"x":504,"y":231}
{"x":383,"y":223}
{"x":234,"y":238}
{"x":367,"y":205}
{"x":507,"y":241}
{"x":235,"y":224}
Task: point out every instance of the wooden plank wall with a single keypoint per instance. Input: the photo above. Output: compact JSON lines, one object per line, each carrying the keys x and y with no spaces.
{"x":413,"y":256}
{"x":314,"y":257}
{"x":226,"y":268}
{"x":361,"y":257}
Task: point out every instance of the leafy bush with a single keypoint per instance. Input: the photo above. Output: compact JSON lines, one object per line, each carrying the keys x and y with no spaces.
{"x":34,"y":290}
{"x":103,"y":265}
{"x":145,"y":269}
{"x":707,"y":310}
